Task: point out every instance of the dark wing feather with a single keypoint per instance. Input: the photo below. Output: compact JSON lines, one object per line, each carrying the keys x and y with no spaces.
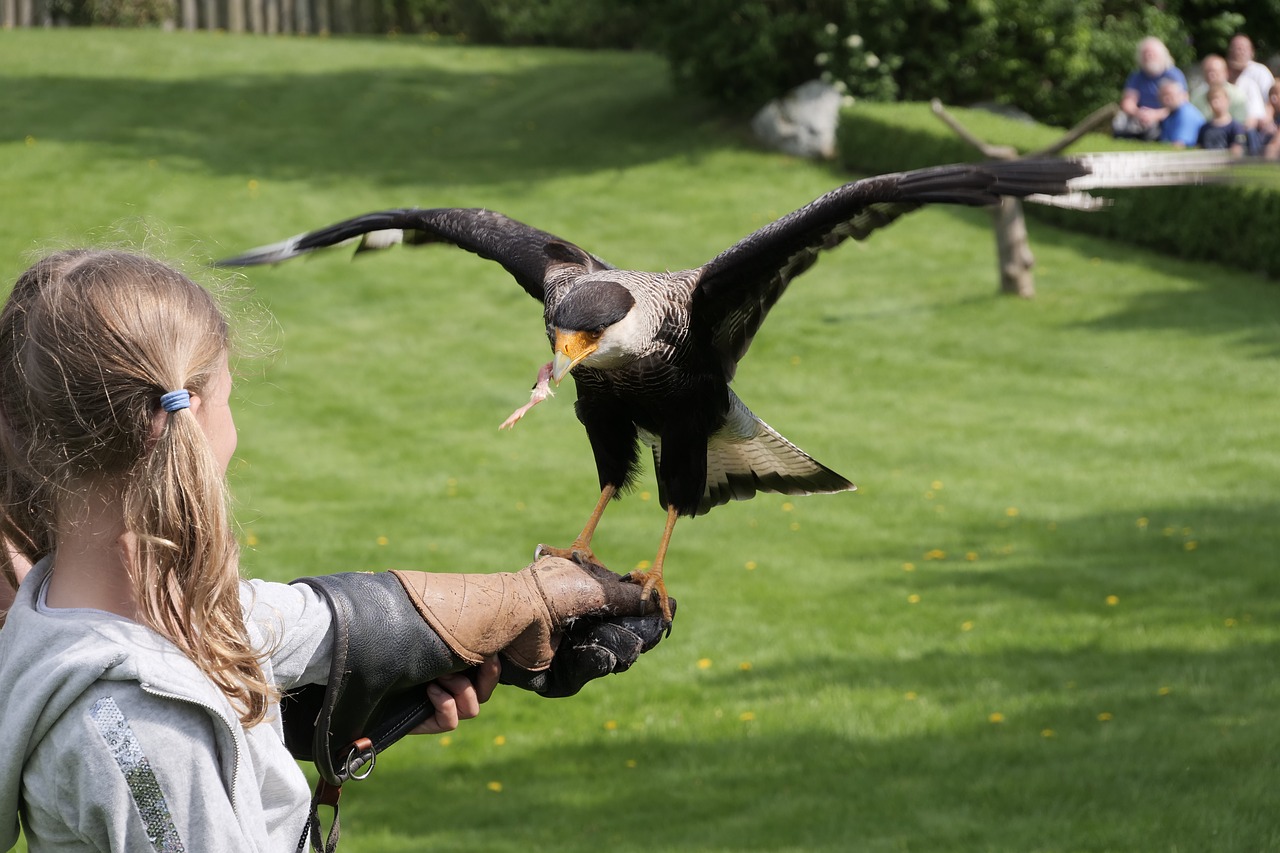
{"x":737,"y":288}
{"x":525,"y":252}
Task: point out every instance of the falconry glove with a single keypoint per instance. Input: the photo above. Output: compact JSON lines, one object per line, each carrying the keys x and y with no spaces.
{"x":591,"y":647}
{"x":395,"y":631}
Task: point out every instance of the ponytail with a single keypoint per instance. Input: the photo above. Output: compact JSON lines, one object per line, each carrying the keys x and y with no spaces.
{"x":89,"y":342}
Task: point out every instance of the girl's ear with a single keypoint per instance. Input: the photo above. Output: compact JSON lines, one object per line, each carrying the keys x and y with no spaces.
{"x":195,"y":404}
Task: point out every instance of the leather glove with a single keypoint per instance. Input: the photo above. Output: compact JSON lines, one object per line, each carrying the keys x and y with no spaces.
{"x":393,"y":632}
{"x":519,"y":615}
{"x":591,"y":648}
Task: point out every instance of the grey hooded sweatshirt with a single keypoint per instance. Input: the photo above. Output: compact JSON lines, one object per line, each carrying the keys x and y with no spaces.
{"x":115,"y":740}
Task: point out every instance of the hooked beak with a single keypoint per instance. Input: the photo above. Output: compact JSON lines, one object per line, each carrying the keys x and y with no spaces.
{"x":571,"y":348}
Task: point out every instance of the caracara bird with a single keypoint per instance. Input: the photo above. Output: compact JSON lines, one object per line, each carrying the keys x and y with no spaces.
{"x":653,"y":353}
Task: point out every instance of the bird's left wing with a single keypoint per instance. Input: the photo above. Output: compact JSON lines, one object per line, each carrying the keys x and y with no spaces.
{"x":736,"y":289}
{"x":525,"y":252}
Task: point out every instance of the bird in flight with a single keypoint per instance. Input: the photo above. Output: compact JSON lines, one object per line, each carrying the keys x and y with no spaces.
{"x":653,"y":354}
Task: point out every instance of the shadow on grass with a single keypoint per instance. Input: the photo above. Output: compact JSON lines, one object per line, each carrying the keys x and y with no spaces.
{"x":1154,"y":732}
{"x":1162,"y":771}
{"x":1219,"y":300}
{"x":383,"y":126}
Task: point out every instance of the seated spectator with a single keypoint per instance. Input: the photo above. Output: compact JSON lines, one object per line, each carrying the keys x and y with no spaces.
{"x":1269,"y":128}
{"x":1249,"y":76}
{"x":1141,"y":112}
{"x":1181,"y":126}
{"x":1222,"y":130}
{"x":1214,"y":68}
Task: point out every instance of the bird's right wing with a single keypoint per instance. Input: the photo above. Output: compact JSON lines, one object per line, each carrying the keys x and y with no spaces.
{"x":736,"y":289}
{"x":526,"y":252}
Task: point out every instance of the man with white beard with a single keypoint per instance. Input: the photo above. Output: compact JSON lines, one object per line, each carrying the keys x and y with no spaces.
{"x":1140,"y":109}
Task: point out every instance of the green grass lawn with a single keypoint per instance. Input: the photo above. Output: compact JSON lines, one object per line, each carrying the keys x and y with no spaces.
{"x":1049,"y":619}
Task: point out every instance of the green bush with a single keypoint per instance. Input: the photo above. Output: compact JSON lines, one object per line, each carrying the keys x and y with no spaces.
{"x":1232,"y":225}
{"x":1056,"y":59}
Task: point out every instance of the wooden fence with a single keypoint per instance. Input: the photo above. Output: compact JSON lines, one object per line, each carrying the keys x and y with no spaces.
{"x":237,"y":16}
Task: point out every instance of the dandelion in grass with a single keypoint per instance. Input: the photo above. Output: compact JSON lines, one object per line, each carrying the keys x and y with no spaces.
{"x":1048,"y":733}
{"x":795,"y":525}
{"x":445,"y":740}
{"x":1113,"y":600}
{"x":966,"y":625}
{"x":908,"y":567}
{"x":644,"y":496}
{"x":704,"y":663}
{"x":936,"y":485}
{"x":1164,"y":691}
{"x":382,"y":540}
{"x":1229,"y":622}
{"x":642,"y":565}
{"x":495,"y":786}
{"x":795,"y":361}
{"x":610,"y":725}
{"x":745,"y":666}
{"x":631,"y":762}
{"x":787,"y":506}
{"x":1011,"y":512}
{"x":971,"y":556}
{"x":935,"y":554}
{"x":747,"y":716}
{"x":913,"y":598}
{"x":1190,"y":545}
{"x":251,"y":539}
{"x":500,"y":740}
{"x":1143,"y":522}
{"x":1105,"y":717}
{"x":911,"y":696}
{"x":30,"y":141}
{"x":995,"y":718}
{"x":750,"y":565}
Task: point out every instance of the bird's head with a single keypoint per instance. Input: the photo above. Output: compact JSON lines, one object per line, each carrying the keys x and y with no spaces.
{"x":592,"y":323}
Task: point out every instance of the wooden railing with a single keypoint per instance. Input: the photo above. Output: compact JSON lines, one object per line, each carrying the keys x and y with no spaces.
{"x":237,"y":16}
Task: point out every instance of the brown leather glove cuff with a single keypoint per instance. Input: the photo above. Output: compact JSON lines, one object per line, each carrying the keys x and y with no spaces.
{"x":518,"y":614}
{"x":479,"y":615}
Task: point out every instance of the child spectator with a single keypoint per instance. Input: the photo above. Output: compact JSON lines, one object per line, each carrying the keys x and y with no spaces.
{"x":1181,"y":126}
{"x":1221,"y":130}
{"x":1269,"y":127}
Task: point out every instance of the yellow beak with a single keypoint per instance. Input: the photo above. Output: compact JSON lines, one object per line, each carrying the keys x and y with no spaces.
{"x":571,"y":348}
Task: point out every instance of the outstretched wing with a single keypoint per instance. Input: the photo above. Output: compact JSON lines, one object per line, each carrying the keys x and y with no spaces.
{"x":737,"y":288}
{"x":526,"y":252}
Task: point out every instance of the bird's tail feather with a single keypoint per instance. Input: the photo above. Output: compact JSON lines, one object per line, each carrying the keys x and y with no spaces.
{"x":747,"y":456}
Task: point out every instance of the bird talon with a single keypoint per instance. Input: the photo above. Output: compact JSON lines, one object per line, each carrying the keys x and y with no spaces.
{"x":580,"y":554}
{"x":654,"y":590}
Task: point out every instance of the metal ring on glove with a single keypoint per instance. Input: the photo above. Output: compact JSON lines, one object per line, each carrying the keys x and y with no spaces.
{"x":361,"y":759}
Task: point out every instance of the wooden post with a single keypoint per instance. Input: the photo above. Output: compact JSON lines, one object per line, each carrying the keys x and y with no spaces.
{"x":235,"y":16}
{"x":1014,"y":258}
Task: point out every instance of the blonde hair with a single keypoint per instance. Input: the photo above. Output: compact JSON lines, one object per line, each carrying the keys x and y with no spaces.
{"x":89,"y":341}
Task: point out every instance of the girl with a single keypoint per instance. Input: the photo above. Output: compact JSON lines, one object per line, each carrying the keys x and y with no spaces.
{"x":142,"y":677}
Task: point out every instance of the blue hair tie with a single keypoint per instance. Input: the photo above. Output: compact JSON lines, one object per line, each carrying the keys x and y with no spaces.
{"x":176,"y":400}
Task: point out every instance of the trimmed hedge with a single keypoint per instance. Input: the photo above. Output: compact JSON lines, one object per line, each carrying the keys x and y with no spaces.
{"x":1237,"y":226}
